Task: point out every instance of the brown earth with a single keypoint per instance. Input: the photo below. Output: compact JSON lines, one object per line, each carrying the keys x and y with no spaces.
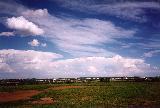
{"x":17,"y":95}
{"x":26,"y":94}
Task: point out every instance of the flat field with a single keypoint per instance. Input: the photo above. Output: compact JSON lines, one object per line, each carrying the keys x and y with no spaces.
{"x":82,"y":95}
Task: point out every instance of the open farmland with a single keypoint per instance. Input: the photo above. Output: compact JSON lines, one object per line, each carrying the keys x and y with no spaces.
{"x":81,"y":95}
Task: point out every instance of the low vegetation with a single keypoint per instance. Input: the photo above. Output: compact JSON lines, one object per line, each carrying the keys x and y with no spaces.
{"x":24,"y":87}
{"x":95,"y":94}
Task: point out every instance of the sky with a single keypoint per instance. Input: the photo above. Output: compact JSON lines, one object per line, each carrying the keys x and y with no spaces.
{"x":79,"y":38}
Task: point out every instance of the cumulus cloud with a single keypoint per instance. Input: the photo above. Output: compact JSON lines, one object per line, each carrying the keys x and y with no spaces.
{"x":78,"y":37}
{"x":36,"y":43}
{"x":7,"y":34}
{"x":14,"y":61}
{"x":102,"y":66}
{"x":23,"y":25}
{"x":92,"y":69}
{"x":47,"y":64}
{"x":4,"y":67}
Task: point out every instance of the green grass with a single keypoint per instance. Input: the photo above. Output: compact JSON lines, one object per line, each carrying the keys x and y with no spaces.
{"x":112,"y":94}
{"x":109,"y":94}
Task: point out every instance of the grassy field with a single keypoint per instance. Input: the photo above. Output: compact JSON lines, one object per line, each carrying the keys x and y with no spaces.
{"x":92,"y":95}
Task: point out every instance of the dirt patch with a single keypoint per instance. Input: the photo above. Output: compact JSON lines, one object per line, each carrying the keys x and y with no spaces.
{"x":17,"y":95}
{"x":46,"y":100}
{"x":26,"y":94}
{"x":64,"y":87}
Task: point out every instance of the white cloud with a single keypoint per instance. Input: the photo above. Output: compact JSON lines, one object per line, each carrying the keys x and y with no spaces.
{"x":37,"y":13}
{"x":129,"y":10}
{"x":23,"y":25}
{"x":27,"y":56}
{"x":34,"y":43}
{"x":101,"y":66}
{"x":4,"y":67}
{"x":92,"y":69}
{"x":15,"y":61}
{"x":47,"y":64}
{"x":124,"y":9}
{"x":78,"y":37}
{"x":43,"y":44}
{"x":151,"y":53}
{"x":154,"y":44}
{"x":74,"y":35}
{"x":150,"y":44}
{"x":7,"y":34}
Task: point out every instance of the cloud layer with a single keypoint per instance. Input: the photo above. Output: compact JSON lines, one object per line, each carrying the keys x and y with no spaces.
{"x":23,"y":63}
{"x":18,"y":60}
{"x":131,"y":10}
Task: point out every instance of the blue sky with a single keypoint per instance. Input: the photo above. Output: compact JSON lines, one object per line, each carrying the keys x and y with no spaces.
{"x":75,"y":38}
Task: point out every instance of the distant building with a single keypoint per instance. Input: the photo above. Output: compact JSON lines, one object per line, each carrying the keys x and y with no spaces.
{"x":13,"y":82}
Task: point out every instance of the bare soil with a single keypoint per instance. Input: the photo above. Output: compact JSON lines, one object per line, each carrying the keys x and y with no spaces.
{"x":17,"y":95}
{"x":26,"y":94}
